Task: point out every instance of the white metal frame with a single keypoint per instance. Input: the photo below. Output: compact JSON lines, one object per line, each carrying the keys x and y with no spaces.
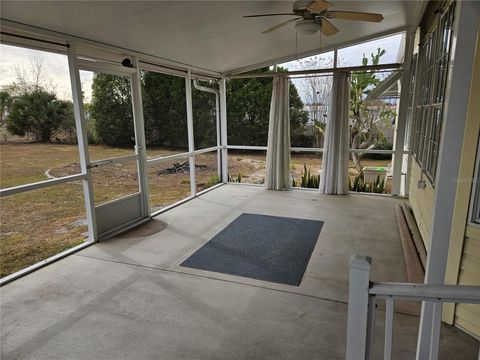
{"x":141,"y":146}
{"x":79,"y":114}
{"x":92,"y":49}
{"x":191,"y":143}
{"x":40,"y":184}
{"x":92,"y":56}
{"x":324,"y":50}
{"x":399,"y":146}
{"x":191,"y":153}
{"x":217,"y":121}
{"x":133,"y":74}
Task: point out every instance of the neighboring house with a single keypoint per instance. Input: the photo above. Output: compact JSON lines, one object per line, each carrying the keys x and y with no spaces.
{"x":316,"y":112}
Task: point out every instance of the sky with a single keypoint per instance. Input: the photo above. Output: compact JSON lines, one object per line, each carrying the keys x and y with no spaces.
{"x":352,"y":55}
{"x":13,"y":59}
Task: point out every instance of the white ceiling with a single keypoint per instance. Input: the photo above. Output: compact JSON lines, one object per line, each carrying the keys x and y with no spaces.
{"x":207,"y":34}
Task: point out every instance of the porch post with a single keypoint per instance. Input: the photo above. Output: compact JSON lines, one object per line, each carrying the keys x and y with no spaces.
{"x":400,"y":126}
{"x":191,"y":143}
{"x":82,"y":140}
{"x":358,"y":307}
{"x":455,"y":113}
{"x":223,"y":128}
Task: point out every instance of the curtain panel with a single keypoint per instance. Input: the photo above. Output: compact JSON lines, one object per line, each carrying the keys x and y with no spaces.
{"x":277,"y":171}
{"x":334,"y":173}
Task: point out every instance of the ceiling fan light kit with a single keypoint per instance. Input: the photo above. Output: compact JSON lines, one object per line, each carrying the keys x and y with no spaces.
{"x":307,"y":27}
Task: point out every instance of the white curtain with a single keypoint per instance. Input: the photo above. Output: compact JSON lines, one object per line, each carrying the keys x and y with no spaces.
{"x":277,"y":172}
{"x":334,"y":174}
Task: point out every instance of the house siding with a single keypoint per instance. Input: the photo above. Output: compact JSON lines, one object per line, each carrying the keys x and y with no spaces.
{"x":468,"y":316}
{"x":463,"y":266}
{"x":421,"y":201}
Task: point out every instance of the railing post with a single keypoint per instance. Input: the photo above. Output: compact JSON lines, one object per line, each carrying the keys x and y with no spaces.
{"x":358,"y":304}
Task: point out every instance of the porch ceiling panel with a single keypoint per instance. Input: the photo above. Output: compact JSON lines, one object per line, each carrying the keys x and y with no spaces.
{"x":207,"y":34}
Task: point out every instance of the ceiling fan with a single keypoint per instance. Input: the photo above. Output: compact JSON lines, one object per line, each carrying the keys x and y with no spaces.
{"x":314,"y":16}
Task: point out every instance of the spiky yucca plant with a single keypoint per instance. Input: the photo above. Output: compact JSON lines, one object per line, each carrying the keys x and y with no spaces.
{"x":360,"y":185}
{"x":309,"y":180}
{"x":235,"y":179}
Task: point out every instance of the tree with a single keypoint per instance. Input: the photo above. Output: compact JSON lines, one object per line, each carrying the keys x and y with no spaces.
{"x":204,"y":118}
{"x":316,"y":91}
{"x":111,"y":110}
{"x":365,"y":116}
{"x":40,"y":114}
{"x":165,"y":117}
{"x":164,"y":110}
{"x":248,"y":109}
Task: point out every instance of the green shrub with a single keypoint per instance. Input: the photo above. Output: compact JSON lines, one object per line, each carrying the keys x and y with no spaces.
{"x":212,"y":180}
{"x":382,"y":144}
{"x":40,"y":114}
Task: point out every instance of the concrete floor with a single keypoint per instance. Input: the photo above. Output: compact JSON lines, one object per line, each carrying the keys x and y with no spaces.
{"x":128,"y":298}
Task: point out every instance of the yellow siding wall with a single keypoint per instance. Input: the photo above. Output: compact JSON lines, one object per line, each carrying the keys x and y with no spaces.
{"x":464,"y":252}
{"x":421,"y":201}
{"x":468,"y":316}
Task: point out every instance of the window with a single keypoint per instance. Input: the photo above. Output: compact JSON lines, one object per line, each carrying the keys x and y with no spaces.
{"x":411,"y":94}
{"x":428,"y":110}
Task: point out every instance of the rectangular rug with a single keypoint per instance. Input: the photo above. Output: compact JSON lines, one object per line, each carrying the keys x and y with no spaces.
{"x":269,"y":248}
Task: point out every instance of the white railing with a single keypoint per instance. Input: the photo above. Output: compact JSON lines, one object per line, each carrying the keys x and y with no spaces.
{"x":361,"y":307}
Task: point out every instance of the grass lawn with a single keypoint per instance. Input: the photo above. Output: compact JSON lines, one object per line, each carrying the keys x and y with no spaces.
{"x":41,"y":223}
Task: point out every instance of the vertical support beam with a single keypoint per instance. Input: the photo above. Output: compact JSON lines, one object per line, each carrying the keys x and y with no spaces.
{"x":436,"y":325}
{"x":389,"y":315}
{"x":455,"y":114}
{"x":217,"y":122}
{"x":191,"y":143}
{"x":223,"y":129}
{"x":82,"y":140}
{"x":219,"y":138}
{"x":401,"y":125}
{"x":140,"y":143}
{"x":358,"y":306}
{"x":370,"y":327}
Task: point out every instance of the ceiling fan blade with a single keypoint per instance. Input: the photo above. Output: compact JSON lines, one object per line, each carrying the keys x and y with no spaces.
{"x":328,"y":28}
{"x":319,"y":5}
{"x":360,"y":16}
{"x":278,"y":26}
{"x":263,"y":15}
